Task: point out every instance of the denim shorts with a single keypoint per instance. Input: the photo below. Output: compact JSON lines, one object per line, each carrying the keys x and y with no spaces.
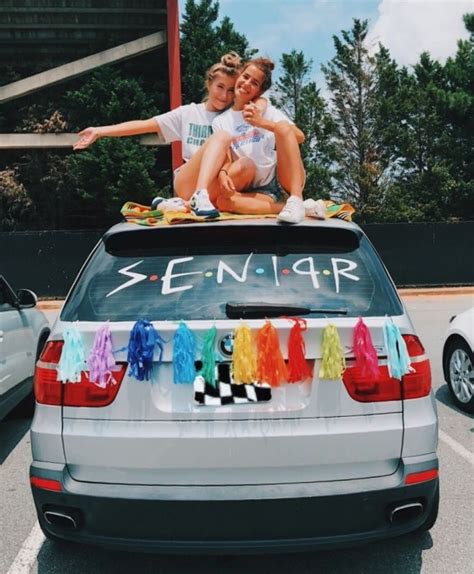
{"x":273,"y":189}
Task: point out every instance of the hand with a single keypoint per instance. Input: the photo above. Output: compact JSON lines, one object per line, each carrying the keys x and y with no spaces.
{"x":227,"y":185}
{"x":252,"y":114}
{"x":87,"y":138}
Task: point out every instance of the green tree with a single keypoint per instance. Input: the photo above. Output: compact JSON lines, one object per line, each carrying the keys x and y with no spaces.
{"x":203,"y":43}
{"x":350,"y":76}
{"x":300,"y":99}
{"x":289,"y":87}
{"x":15,"y":203}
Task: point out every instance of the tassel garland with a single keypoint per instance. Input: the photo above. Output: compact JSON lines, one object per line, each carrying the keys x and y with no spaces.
{"x":298,"y":368}
{"x":333,"y":362}
{"x":141,"y":347}
{"x":73,"y":359}
{"x":244,"y":361}
{"x":208,"y":356}
{"x":398,"y":359}
{"x":184,"y":353}
{"x":271,"y":367}
{"x":101,"y":359}
{"x":365,"y":354}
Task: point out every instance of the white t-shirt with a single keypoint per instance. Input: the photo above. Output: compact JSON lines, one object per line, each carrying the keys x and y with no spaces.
{"x":255,"y":143}
{"x":190,"y":124}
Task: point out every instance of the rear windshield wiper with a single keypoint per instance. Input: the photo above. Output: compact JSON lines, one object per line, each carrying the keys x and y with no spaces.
{"x":261,"y":310}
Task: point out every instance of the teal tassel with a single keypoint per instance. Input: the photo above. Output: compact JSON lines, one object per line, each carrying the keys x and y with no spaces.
{"x":73,"y":358}
{"x":208,"y":357}
{"x":184,"y":353}
{"x":398,"y":359}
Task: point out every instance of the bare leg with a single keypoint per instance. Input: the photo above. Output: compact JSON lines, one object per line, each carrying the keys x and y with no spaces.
{"x":291,"y":174}
{"x":249,"y":204}
{"x":202,"y":169}
{"x":241,"y":171}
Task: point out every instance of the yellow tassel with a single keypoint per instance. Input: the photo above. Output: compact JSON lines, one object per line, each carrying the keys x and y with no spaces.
{"x":333,"y":362}
{"x":244,"y":362}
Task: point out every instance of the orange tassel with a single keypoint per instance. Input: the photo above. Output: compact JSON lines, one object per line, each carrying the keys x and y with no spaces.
{"x":298,"y":368}
{"x":271,"y":367}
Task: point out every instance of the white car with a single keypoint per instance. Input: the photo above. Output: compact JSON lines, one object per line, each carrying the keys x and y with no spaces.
{"x":23,"y":332}
{"x":458,"y":359}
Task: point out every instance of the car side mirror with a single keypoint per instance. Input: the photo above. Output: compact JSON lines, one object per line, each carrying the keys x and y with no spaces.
{"x":26,"y":298}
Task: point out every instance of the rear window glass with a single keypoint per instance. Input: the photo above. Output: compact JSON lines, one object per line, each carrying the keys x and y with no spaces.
{"x":192,"y":275}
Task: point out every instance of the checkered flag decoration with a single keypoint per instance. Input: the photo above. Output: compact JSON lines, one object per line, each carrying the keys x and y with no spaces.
{"x":227,"y":393}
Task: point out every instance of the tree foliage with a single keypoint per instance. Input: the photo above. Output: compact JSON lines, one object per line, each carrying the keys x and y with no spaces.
{"x":350,"y":77}
{"x":396,"y":142}
{"x":203,"y":43}
{"x":300,"y":99}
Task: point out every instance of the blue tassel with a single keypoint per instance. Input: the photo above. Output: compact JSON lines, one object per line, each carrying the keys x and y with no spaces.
{"x":398,"y":359}
{"x":184,"y":353}
{"x":141,"y":348}
{"x":73,"y":358}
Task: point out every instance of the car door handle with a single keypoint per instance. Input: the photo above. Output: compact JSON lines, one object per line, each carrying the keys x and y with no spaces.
{"x":1,"y":336}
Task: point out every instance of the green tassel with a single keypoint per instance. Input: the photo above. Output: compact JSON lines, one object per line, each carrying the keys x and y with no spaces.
{"x":333,"y":362}
{"x":208,"y":356}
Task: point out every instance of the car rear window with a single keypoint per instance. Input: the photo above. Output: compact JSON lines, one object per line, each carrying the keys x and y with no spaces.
{"x":190,"y":274}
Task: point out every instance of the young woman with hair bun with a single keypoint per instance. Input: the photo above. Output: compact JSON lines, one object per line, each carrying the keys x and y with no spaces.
{"x":192,"y":125}
{"x":263,"y":172}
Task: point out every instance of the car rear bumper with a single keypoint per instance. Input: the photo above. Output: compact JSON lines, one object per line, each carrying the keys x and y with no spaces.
{"x":230,"y":520}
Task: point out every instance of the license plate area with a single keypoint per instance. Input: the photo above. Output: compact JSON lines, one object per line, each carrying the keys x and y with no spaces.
{"x":225,"y":392}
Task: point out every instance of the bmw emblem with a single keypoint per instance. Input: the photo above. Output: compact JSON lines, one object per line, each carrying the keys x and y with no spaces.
{"x":226,"y":344}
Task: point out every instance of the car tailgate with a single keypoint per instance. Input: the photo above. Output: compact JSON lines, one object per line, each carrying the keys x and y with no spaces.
{"x":155,"y":433}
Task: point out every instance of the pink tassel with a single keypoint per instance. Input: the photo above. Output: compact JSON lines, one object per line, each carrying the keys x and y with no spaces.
{"x":364,"y":351}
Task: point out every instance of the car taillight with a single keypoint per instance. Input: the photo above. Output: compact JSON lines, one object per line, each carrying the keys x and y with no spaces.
{"x":46,"y":483}
{"x":413,"y":385}
{"x":423,"y":476}
{"x":50,"y":391}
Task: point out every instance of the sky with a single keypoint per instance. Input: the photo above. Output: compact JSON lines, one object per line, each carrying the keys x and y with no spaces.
{"x":405,"y":27}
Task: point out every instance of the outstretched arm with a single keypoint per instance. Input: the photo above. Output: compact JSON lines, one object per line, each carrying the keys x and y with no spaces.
{"x":133,"y":128}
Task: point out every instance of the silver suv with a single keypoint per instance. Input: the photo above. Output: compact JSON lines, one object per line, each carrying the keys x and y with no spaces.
{"x":142,"y":465}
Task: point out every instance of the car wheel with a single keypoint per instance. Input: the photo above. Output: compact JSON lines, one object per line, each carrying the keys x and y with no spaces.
{"x":460,"y":374}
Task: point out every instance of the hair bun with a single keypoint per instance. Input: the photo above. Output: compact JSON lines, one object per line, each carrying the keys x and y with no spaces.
{"x":231,"y":60}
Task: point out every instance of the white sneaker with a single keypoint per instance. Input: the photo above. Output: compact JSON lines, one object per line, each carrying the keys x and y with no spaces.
{"x":172,"y":204}
{"x":293,"y":212}
{"x":201,"y":205}
{"x":314,"y":208}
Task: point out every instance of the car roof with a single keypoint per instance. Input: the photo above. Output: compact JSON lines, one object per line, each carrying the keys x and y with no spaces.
{"x":333,"y":223}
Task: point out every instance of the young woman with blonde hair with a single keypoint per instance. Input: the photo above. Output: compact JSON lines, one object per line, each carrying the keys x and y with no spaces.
{"x":190,"y":124}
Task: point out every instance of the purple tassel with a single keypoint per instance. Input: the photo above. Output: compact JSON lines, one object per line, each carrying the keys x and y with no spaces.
{"x":141,"y":348}
{"x":101,"y":360}
{"x":365,"y":354}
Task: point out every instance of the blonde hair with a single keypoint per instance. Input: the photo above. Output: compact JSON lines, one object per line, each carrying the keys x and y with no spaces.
{"x":230,"y":64}
{"x":266,"y":66}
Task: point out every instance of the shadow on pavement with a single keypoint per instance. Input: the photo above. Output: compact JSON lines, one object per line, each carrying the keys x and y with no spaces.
{"x":402,"y":554}
{"x":443,"y":395}
{"x":12,"y":429}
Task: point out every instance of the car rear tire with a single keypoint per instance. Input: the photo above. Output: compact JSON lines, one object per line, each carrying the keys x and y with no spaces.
{"x":460,"y":374}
